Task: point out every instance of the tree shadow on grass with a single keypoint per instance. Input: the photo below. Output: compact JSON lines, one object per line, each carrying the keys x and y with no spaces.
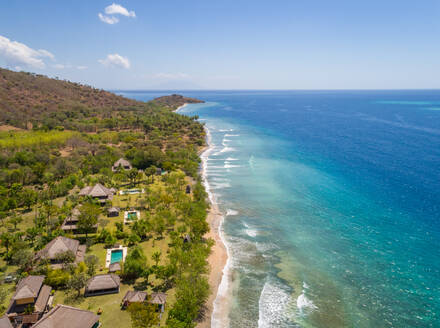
{"x":74,"y":299}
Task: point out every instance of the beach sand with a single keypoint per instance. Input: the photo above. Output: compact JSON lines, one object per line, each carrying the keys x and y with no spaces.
{"x":217,"y":261}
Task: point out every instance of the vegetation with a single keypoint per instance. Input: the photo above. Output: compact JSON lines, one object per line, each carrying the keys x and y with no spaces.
{"x":67,"y":136}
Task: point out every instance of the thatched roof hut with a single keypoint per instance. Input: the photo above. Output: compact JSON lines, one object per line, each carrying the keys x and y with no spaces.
{"x":113,"y":212}
{"x":114,"y":267}
{"x":97,"y":191}
{"x":103,"y":284}
{"x":133,"y":296}
{"x":121,"y":164}
{"x":30,"y":291}
{"x":5,"y":322}
{"x":67,"y":317}
{"x":158,"y":298}
{"x":61,"y":245}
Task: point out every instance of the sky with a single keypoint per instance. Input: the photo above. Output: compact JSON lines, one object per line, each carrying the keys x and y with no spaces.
{"x":227,"y":44}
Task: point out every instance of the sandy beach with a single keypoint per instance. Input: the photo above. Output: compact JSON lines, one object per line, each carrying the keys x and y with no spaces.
{"x":217,"y":261}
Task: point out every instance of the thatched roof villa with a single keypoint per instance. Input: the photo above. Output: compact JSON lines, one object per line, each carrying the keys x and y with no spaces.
{"x":70,"y":224}
{"x":99,"y":192}
{"x":61,"y":245}
{"x":103,"y":284}
{"x":63,"y":316}
{"x":121,"y":164}
{"x":5,"y":322}
{"x":30,"y":291}
{"x":133,"y":296}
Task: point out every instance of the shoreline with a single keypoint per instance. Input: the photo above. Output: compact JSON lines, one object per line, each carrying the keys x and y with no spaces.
{"x":217,"y":305}
{"x":180,"y":107}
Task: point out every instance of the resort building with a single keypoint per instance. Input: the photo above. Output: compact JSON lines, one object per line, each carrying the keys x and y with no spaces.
{"x":59,"y":246}
{"x":113,"y":212}
{"x":63,"y":316}
{"x":70,"y":224}
{"x":99,"y":192}
{"x":30,"y":301}
{"x":158,"y":299}
{"x":113,"y":267}
{"x":102,"y":284}
{"x":5,"y":322}
{"x":133,"y":296}
{"x":121,"y":164}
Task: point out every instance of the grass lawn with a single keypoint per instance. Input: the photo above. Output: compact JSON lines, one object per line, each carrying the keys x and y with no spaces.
{"x":112,"y":315}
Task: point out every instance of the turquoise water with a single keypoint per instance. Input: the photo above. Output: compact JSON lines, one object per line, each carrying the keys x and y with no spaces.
{"x":132,"y":216}
{"x":116,"y":256}
{"x":331,"y":202}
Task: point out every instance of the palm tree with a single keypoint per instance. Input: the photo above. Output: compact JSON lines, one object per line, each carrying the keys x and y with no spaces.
{"x":156,"y":257}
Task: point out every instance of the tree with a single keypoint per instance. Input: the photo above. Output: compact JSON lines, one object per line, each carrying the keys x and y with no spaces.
{"x":77,"y":282}
{"x":23,"y":258}
{"x":15,"y":220}
{"x":156,"y":257}
{"x":132,"y":176}
{"x":150,"y":172}
{"x":6,"y":239}
{"x":135,"y":263}
{"x":3,"y":296}
{"x":143,"y":315}
{"x":92,"y":262}
{"x":31,"y":234}
{"x":65,"y":257}
{"x":88,"y":217}
{"x":28,"y":198}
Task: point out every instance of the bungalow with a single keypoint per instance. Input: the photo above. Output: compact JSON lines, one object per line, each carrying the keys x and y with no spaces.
{"x":99,"y":192}
{"x":63,"y":316}
{"x":113,"y":212}
{"x":31,"y":300}
{"x":158,"y":299}
{"x":70,"y":224}
{"x":133,"y":296}
{"x":59,"y":246}
{"x":121,"y":164}
{"x":102,"y":284}
{"x":114,"y":267}
{"x":5,"y":322}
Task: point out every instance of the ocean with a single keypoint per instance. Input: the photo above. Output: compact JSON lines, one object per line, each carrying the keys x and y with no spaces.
{"x":331,"y":202}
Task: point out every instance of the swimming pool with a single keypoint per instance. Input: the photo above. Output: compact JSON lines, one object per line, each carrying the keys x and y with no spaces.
{"x":132,"y":215}
{"x":116,"y":256}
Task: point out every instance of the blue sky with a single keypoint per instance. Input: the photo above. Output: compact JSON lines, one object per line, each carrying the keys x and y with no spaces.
{"x":241,"y":44}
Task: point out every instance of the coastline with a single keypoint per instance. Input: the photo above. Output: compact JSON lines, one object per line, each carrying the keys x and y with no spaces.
{"x":217,"y":306}
{"x":180,"y":107}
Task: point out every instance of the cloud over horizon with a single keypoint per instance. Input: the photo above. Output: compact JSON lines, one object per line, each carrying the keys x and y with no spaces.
{"x":115,"y":60}
{"x":18,"y":54}
{"x":115,"y":9}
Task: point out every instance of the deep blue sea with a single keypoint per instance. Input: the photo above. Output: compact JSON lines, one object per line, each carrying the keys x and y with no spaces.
{"x":331,"y":202}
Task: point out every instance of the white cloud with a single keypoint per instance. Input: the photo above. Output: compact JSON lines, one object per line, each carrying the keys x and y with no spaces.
{"x":115,"y":9}
{"x":115,"y":60}
{"x":108,"y":19}
{"x":16,"y":54}
{"x":81,"y":67}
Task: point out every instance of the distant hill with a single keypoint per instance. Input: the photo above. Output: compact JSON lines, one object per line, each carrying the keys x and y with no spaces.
{"x":174,"y":101}
{"x":28,"y":99}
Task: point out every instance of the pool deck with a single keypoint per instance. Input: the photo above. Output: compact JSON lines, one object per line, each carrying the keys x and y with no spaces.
{"x":131,"y":192}
{"x":109,"y":255}
{"x":127,"y":220}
